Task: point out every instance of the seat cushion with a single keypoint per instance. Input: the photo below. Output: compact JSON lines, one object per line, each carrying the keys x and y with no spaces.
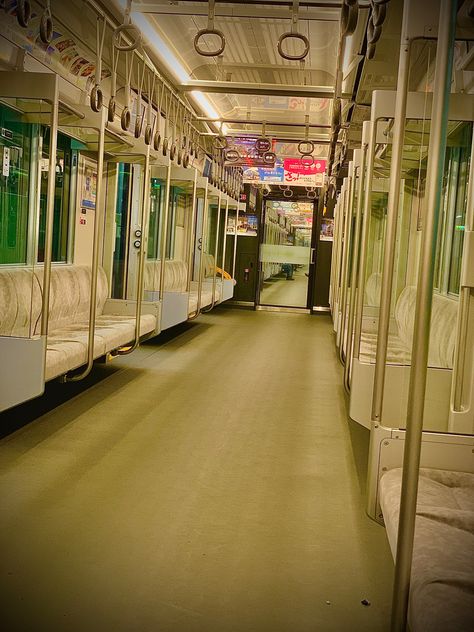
{"x":20,"y":301}
{"x":397,"y":353}
{"x":442,"y":585}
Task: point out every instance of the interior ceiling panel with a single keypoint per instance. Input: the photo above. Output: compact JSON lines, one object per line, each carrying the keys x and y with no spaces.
{"x":251,"y":56}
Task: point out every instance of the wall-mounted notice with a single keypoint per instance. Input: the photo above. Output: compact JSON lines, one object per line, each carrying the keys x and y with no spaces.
{"x":327,"y":229}
{"x":89,"y":187}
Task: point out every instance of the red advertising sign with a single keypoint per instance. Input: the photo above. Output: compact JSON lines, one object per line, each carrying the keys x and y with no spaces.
{"x":296,"y":166}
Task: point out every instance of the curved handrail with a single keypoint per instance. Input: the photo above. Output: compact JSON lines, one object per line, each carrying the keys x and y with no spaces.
{"x":95,"y":259}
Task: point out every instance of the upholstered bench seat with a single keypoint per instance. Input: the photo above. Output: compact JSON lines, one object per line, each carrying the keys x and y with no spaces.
{"x":442,"y":579}
{"x":442,"y":335}
{"x":67,"y":341}
{"x":397,"y":352}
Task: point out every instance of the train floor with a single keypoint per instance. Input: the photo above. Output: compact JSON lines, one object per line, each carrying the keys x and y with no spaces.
{"x":291,"y":293}
{"x":209,"y":482}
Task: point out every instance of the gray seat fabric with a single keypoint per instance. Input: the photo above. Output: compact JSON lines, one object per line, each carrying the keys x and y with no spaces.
{"x":442,"y":583}
{"x":442,"y":336}
{"x":20,"y":314}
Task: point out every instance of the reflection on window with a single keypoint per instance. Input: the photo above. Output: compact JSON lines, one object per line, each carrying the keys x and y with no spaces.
{"x":122,"y":220}
{"x":156,"y":195}
{"x":62,"y":196}
{"x":15,"y":147}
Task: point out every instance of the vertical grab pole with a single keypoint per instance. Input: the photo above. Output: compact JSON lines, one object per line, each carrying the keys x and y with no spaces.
{"x":224,"y":233}
{"x":164,"y":234}
{"x":392,"y":216}
{"x":48,"y":241}
{"x":141,"y":256}
{"x":364,"y":237}
{"x":95,"y":256}
{"x":345,"y":258}
{"x":192,"y":235}
{"x":424,"y":299}
{"x":214,"y":278}
{"x":355,"y":288}
{"x":235,"y":241}
{"x":205,"y":218}
{"x":464,"y":298}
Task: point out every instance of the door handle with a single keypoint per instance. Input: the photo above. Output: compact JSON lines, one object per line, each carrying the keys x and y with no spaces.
{"x":313,"y":251}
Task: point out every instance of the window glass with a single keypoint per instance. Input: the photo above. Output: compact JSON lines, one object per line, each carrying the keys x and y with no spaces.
{"x":15,"y":148}
{"x":122,"y":220}
{"x":62,"y":196}
{"x":459,"y":211}
{"x":156,"y":199}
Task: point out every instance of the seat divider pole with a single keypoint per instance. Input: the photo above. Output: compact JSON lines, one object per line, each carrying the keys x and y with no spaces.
{"x":424,"y":299}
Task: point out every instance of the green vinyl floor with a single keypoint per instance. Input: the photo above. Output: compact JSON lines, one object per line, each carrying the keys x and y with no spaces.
{"x":213,"y":483}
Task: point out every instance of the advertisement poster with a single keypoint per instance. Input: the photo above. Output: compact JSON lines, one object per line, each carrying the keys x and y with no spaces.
{"x":299,"y":174}
{"x":247,"y":225}
{"x":89,"y":187}
{"x":327,"y":229}
{"x":248,"y":156}
{"x":291,"y":172}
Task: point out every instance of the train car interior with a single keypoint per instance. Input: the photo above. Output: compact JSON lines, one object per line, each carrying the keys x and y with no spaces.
{"x":237,"y":315}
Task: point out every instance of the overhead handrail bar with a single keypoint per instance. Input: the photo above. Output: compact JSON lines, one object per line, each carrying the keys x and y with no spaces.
{"x":95,"y":257}
{"x":141,"y":258}
{"x":392,"y":216}
{"x":424,"y":300}
{"x":214,"y":277}
{"x":355,"y":288}
{"x":210,"y":30}
{"x":137,"y":50}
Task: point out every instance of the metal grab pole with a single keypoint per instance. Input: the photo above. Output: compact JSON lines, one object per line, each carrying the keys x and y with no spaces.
{"x":355,"y":290}
{"x":392,"y":216}
{"x":364,"y":237}
{"x":424,"y":299}
{"x":164,"y":235}
{"x":142,"y":255}
{"x":48,"y":240}
{"x":192,"y":235}
{"x":201,"y":258}
{"x":95,"y":258}
{"x":235,"y":241}
{"x":214,"y":279}
{"x":224,"y":234}
{"x":345,"y":260}
{"x":464,"y":298}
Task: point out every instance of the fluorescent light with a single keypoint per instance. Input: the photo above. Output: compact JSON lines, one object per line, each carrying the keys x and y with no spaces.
{"x":163,"y":51}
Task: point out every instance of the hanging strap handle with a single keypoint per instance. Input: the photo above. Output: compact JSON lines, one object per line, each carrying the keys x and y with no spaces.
{"x":127,"y":28}
{"x":210,"y":30}
{"x":97,"y":97}
{"x":293,"y":34}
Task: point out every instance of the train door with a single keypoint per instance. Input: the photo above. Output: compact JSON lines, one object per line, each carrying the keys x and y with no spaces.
{"x":127,"y":228}
{"x":286,"y":256}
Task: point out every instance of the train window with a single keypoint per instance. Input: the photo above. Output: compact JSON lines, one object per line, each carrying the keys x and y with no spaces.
{"x":16,"y":141}
{"x":453,"y":212}
{"x":122,"y":221}
{"x":156,"y":201}
{"x":62,"y":197}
